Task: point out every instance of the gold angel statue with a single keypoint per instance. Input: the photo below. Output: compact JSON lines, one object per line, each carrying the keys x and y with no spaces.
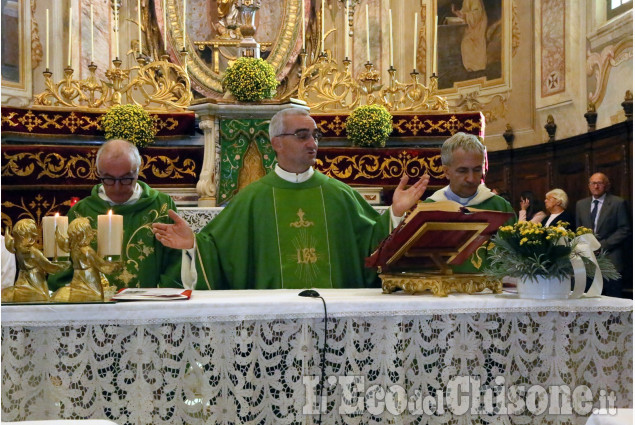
{"x":33,"y":266}
{"x":89,"y":281}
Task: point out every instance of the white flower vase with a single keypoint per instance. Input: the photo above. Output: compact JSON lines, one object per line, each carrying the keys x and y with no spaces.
{"x":544,"y":288}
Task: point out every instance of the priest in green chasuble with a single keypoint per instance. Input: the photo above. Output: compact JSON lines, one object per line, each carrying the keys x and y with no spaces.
{"x":147,"y":263}
{"x":463,"y":158}
{"x":293,"y":228}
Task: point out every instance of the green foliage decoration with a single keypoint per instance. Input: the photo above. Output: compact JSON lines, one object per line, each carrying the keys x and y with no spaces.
{"x":251,"y":79}
{"x":129,"y":122}
{"x":369,"y":126}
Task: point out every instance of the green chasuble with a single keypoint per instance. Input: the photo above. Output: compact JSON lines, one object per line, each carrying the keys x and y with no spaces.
{"x":147,"y":262}
{"x":484,"y":200}
{"x":277,"y":234}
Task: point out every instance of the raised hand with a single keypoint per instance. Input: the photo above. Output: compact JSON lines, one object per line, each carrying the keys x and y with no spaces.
{"x":403,"y":199}
{"x":178,"y":235}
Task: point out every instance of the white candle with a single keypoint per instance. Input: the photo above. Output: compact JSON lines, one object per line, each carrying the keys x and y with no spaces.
{"x":139,"y":21}
{"x":184,"y":9}
{"x":116,"y":33}
{"x":346,"y":28}
{"x":390,"y":23}
{"x":70,"y":34}
{"x":49,"y":225}
{"x":436,"y":44}
{"x":109,"y":234}
{"x":92,"y":35}
{"x":47,"y":39}
{"x":302,"y":23}
{"x":165,"y":26}
{"x":367,"y":36}
{"x":322,"y":26}
{"x":414,"y":55}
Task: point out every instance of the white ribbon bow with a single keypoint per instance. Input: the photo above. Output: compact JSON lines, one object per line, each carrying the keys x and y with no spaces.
{"x":587,"y":244}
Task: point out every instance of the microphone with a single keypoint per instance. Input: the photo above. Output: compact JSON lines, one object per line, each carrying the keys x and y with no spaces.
{"x":311,"y":293}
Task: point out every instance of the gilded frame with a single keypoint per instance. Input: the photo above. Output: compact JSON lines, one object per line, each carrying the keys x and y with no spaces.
{"x":487,"y":95}
{"x":280,"y":53}
{"x":22,"y":89}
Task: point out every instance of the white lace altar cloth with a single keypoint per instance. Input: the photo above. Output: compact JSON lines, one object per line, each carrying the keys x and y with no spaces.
{"x":239,"y":356}
{"x":199,"y":217}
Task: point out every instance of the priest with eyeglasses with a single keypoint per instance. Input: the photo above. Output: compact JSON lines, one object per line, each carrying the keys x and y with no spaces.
{"x":147,"y":263}
{"x":293,"y":228}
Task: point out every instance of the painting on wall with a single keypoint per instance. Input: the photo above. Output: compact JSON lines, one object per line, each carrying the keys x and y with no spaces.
{"x":470,"y":41}
{"x":10,"y":50}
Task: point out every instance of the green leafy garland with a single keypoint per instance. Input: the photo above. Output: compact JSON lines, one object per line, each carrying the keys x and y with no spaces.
{"x":129,"y":122}
{"x":251,"y":79}
{"x":369,"y":126}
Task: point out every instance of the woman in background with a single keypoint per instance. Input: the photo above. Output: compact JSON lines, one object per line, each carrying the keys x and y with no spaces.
{"x":556,"y":202}
{"x":530,"y":208}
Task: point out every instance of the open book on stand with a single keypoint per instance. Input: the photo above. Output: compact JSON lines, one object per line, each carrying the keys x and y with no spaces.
{"x":433,"y":237}
{"x":152,"y":294}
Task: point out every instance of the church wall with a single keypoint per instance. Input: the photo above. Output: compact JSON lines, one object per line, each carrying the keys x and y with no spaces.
{"x":520,"y":106}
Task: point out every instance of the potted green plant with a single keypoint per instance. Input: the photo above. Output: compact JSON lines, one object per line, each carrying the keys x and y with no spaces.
{"x":542,"y":258}
{"x":369,"y":126}
{"x":251,"y":79}
{"x":129,"y":122}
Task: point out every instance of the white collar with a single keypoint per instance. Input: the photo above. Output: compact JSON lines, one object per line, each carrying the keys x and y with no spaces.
{"x":134,"y":198}
{"x":294,"y":177}
{"x":601,"y":198}
{"x":482,"y":195}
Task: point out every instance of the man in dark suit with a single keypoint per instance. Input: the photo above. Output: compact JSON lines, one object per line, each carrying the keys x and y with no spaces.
{"x":608,"y":216}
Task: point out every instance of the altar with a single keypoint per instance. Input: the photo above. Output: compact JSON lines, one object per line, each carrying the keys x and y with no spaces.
{"x":255,"y":356}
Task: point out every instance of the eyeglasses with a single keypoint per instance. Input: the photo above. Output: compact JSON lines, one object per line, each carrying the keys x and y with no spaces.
{"x":304,"y":135}
{"x":597,"y":184}
{"x":110,"y":181}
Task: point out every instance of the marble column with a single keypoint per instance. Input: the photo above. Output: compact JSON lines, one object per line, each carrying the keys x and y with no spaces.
{"x":206,"y":186}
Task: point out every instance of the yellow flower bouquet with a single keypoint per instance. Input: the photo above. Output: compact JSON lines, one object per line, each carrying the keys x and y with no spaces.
{"x":528,"y":250}
{"x":129,"y":122}
{"x":369,"y":126}
{"x":251,"y":79}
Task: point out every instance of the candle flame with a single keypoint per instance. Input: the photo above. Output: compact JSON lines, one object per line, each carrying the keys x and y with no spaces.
{"x":109,"y":212}
{"x":57,"y":214}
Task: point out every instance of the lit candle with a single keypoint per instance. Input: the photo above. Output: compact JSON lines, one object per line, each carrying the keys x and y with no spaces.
{"x":165,"y":26}
{"x":302,"y":23}
{"x":92,"y":35}
{"x":367,"y":36}
{"x":109,"y":234}
{"x":70,"y":34}
{"x":139,"y":21}
{"x":390,"y":23}
{"x":322,"y":25}
{"x":47,"y":39}
{"x":414,"y":56}
{"x":436,"y":44}
{"x":49,"y":225}
{"x":346,"y":28}
{"x":184,"y":9}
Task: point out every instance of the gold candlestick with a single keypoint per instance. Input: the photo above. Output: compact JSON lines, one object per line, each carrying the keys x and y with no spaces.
{"x":368,"y":79}
{"x":416,"y":88}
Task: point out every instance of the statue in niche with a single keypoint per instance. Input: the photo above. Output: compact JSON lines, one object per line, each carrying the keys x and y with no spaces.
{"x":228,"y":16}
{"x":33,"y":266}
{"x":89,"y":282}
